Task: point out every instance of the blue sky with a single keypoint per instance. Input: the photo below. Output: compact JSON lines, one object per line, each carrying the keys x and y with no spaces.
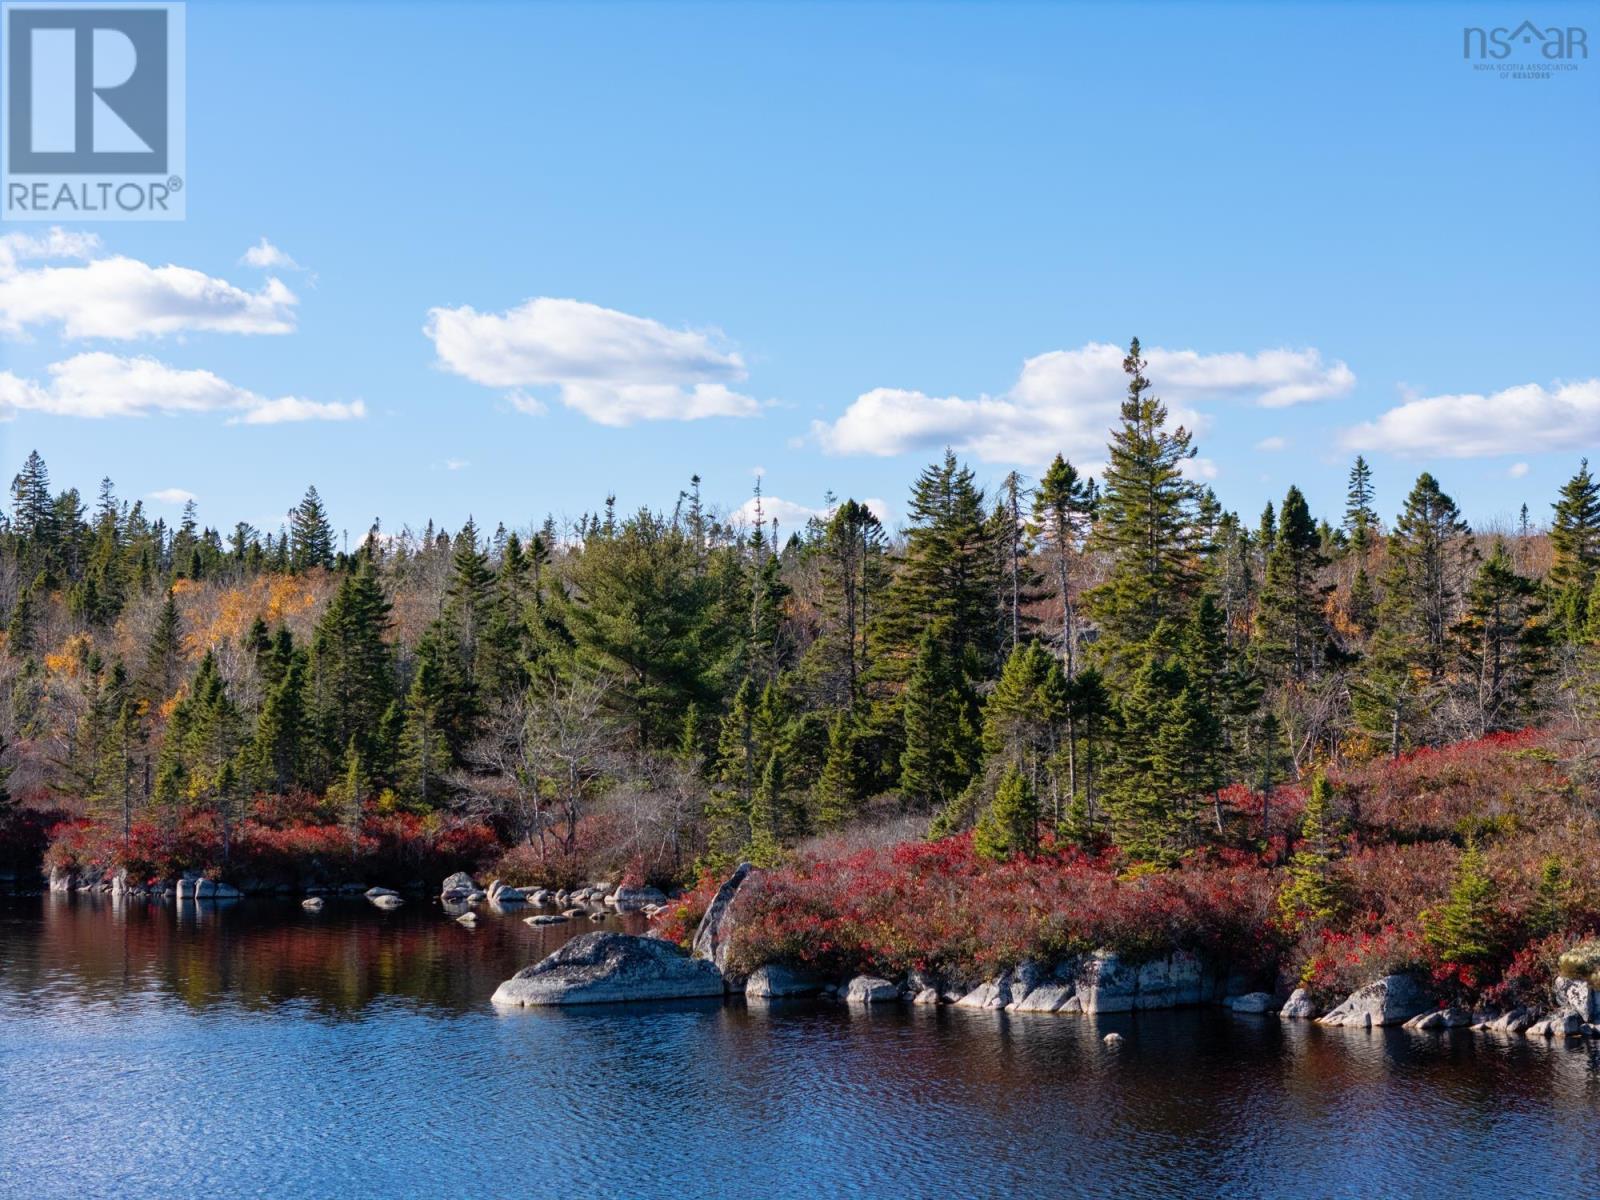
{"x":833,"y":235}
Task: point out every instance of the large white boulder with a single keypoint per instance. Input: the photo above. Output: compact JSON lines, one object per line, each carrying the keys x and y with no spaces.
{"x":711,"y":937}
{"x":1392,"y":1000}
{"x":607,"y":968}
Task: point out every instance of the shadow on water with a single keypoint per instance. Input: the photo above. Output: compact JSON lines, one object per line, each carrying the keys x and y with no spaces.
{"x":257,"y":1048}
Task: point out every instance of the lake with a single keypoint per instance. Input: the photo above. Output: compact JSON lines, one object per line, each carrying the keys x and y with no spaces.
{"x":253,"y":1049}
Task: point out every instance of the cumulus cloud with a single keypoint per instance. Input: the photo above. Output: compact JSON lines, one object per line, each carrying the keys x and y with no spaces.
{"x":266,"y":256}
{"x":792,"y":515}
{"x":1271,"y":445}
{"x":172,"y":495}
{"x":88,"y":295}
{"x":612,"y":367}
{"x":102,"y":385}
{"x":1067,"y":401}
{"x":1527,"y":419}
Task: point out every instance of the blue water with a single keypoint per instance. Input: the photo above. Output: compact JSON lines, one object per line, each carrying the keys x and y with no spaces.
{"x":261,"y":1051}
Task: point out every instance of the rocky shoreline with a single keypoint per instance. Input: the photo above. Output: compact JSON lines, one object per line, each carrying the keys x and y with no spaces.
{"x":614,"y":967}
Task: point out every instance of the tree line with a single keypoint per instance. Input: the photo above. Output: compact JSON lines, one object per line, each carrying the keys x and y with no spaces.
{"x":1096,"y":659}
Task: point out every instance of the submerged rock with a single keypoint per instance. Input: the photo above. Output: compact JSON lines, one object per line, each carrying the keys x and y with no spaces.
{"x":387,"y":900}
{"x":313,"y":903}
{"x":548,"y":919}
{"x":775,"y":980}
{"x":1387,"y":1001}
{"x":1254,"y":1002}
{"x":607,"y":968}
{"x":1113,"y":1039}
{"x":711,"y":938}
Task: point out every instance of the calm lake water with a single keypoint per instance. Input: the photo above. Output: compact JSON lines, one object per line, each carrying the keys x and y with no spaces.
{"x":255,"y":1050}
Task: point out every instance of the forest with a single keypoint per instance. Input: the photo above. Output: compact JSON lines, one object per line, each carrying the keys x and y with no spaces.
{"x":1113,"y":667}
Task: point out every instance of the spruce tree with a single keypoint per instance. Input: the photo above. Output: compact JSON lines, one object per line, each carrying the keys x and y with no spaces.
{"x":1311,"y":896}
{"x":1291,"y":624}
{"x":1360,"y":519}
{"x":1575,"y":550}
{"x":1145,"y":525}
{"x":1009,"y":826}
{"x":1465,"y":928}
{"x":940,"y":743}
{"x":163,"y":660}
{"x":1502,"y":644}
{"x":1063,"y":508}
{"x":310,"y":534}
{"x":839,"y":787}
{"x":351,"y":667}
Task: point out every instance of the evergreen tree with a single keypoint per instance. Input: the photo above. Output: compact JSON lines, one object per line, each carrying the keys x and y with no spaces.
{"x":1023,"y":719}
{"x":1311,"y":896}
{"x":1063,"y":508}
{"x":1009,"y":826}
{"x":1292,"y":627}
{"x":840,"y":786}
{"x":1464,"y":929}
{"x":163,"y":660}
{"x":279,"y":750}
{"x":1502,"y":643}
{"x":940,"y":738}
{"x":310,"y":534}
{"x":947,"y":576}
{"x":1360,"y":519}
{"x":351,"y":667}
{"x":1575,"y":550}
{"x":1145,"y":525}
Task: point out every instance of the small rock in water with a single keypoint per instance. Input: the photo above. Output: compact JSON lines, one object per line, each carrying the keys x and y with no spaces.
{"x":598,"y":916}
{"x":1113,"y":1039}
{"x":467,"y":918}
{"x":388,"y":900}
{"x":312,"y":903}
{"x":548,"y":919}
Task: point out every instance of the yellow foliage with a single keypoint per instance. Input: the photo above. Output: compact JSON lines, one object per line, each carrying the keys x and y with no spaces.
{"x":68,"y":660}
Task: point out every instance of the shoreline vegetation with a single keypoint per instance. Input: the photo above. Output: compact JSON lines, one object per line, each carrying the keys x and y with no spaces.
{"x":1072,"y":722}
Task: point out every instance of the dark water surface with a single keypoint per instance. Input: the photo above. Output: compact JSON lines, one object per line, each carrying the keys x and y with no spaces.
{"x":255,"y":1050}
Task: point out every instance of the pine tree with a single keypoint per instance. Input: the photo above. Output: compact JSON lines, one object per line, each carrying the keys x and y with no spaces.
{"x":1017,"y":579}
{"x":310,"y":534}
{"x":1009,"y":826}
{"x":1145,"y":525}
{"x":1024,"y":716}
{"x":1225,"y":695}
{"x":1575,"y":550}
{"x":1150,"y":793}
{"x":853,"y":574}
{"x":32,"y":506}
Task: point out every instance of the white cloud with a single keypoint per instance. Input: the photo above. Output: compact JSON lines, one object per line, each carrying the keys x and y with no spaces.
{"x":612,"y":367}
{"x":792,"y":515}
{"x":1067,"y":401}
{"x":456,"y":464}
{"x":1527,"y":419}
{"x":172,"y":496}
{"x":1272,"y":445}
{"x":1198,"y":468}
{"x":1517,"y":470}
{"x":123,"y":298}
{"x":266,"y":256}
{"x":101,"y":385}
